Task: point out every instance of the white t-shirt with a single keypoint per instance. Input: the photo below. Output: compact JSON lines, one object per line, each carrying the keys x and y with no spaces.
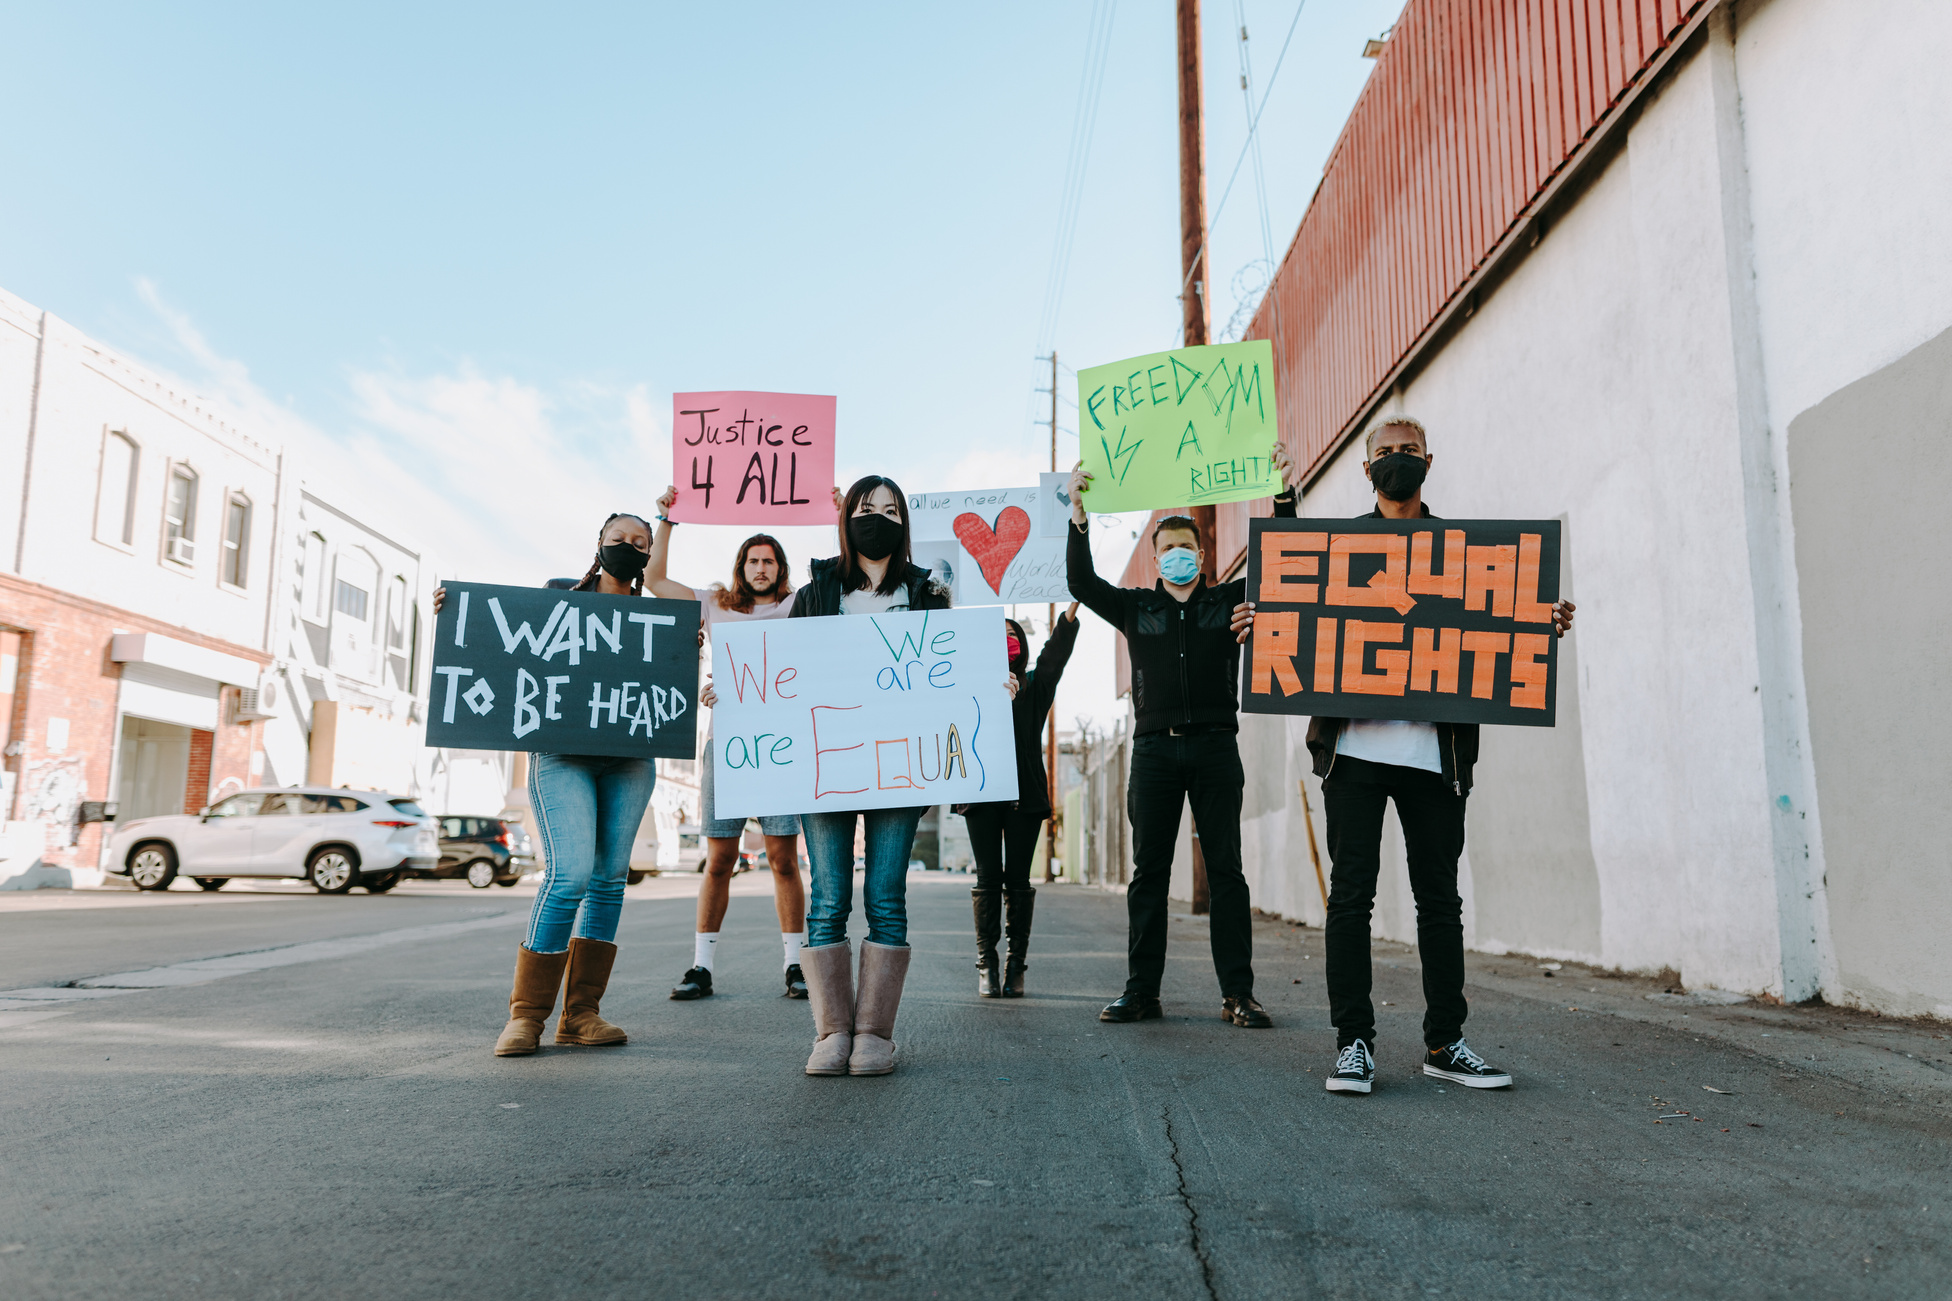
{"x":716,"y":613}
{"x":868,"y":601}
{"x":1389,"y":740}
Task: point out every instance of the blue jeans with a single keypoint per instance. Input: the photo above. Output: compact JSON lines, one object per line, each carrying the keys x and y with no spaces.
{"x":884,"y":895}
{"x":587,"y":811}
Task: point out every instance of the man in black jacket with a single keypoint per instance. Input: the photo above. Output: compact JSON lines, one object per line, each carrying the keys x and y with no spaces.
{"x":1183,"y":637}
{"x":1425,"y":768}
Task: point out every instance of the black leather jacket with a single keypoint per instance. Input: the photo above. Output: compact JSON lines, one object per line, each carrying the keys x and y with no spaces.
{"x":1185,"y":661}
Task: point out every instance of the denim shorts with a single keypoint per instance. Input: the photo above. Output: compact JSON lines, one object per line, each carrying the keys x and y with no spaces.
{"x":775,"y":824}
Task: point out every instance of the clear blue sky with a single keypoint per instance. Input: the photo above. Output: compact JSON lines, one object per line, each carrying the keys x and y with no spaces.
{"x":479,"y":246}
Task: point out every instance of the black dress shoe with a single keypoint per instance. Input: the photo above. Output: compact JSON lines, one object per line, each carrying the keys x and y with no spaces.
{"x":1244,"y":1011}
{"x":796,"y":982}
{"x":696,"y":984}
{"x":1132,"y":1007}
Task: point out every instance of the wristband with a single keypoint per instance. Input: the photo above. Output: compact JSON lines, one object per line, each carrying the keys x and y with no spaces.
{"x":666,"y":519}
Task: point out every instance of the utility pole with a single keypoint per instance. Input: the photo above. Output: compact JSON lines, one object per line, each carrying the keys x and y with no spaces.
{"x":1050,"y":628}
{"x":1193,"y":282}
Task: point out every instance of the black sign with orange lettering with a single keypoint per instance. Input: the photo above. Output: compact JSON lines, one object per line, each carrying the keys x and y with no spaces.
{"x":1432,"y":620}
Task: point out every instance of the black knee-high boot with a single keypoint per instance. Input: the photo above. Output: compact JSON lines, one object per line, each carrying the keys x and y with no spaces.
{"x":989,"y":928}
{"x":1019,"y":907}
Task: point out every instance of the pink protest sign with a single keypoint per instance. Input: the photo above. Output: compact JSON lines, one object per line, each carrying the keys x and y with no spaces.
{"x":753,"y":458}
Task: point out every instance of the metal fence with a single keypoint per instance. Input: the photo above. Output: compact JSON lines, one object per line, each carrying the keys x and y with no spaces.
{"x":1097,"y":840}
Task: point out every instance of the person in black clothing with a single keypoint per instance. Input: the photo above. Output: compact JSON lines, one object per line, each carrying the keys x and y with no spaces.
{"x":1184,"y":638}
{"x":1003,"y":834}
{"x":1425,"y":768}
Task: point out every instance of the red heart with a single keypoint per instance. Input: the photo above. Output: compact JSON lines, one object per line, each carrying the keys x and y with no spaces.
{"x":994,"y":550}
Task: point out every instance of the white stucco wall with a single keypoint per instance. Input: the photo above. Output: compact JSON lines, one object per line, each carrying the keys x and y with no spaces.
{"x":87,"y":391}
{"x":1769,"y":232}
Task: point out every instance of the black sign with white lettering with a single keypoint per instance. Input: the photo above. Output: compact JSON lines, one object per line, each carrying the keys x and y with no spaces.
{"x":527,"y":668}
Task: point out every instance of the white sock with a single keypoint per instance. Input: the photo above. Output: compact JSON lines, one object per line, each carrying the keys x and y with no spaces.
{"x":791,"y":942}
{"x":702,"y":945}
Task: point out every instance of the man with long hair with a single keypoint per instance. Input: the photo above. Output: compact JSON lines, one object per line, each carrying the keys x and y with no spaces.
{"x":759,"y":590}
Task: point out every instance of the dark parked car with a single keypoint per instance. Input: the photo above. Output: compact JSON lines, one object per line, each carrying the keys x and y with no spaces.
{"x":482,"y":851}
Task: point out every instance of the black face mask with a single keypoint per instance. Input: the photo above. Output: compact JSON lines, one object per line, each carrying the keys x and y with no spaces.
{"x":875,"y":537}
{"x":1398,"y":475}
{"x":622,"y":561}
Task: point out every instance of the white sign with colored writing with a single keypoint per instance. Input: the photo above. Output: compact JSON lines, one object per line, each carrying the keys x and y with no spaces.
{"x":862,"y":712}
{"x":1005,"y":552}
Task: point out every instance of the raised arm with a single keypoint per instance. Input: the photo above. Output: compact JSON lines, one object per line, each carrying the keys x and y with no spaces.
{"x":655,"y":581}
{"x":1052,"y":659}
{"x":1097,"y":595}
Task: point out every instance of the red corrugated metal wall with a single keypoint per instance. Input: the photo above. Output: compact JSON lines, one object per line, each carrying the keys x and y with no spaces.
{"x":1472,"y":110}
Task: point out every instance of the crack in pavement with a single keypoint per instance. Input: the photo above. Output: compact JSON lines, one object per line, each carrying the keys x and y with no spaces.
{"x":1192,"y":1211}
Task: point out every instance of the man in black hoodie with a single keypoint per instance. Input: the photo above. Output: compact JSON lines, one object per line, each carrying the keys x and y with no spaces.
{"x":1425,"y":768}
{"x":1183,"y":634}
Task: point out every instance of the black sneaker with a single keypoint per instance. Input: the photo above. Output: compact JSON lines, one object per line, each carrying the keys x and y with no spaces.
{"x":696,"y":984}
{"x":1245,"y":1011}
{"x":796,"y":982}
{"x":1132,"y":1007}
{"x":1355,"y":1070}
{"x":1458,"y":1062}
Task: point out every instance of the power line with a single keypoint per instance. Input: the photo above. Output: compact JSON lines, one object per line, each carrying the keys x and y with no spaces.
{"x":1084,"y":121}
{"x":1253,"y":130}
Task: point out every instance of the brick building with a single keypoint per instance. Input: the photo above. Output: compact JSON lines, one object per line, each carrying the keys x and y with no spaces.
{"x":136,"y":531}
{"x":182,"y":616}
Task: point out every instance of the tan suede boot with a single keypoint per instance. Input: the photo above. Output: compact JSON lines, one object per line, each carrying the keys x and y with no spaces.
{"x":537,"y":978}
{"x":829,"y":970}
{"x":589,"y":975}
{"x":883,"y":969}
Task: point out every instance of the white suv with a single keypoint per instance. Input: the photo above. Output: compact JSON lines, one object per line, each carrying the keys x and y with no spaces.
{"x":334,"y":838}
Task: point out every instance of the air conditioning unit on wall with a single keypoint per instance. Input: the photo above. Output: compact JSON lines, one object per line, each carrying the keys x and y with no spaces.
{"x":255,"y":706}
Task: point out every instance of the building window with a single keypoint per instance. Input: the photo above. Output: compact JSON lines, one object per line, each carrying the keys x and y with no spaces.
{"x":350,"y":600}
{"x":115,"y":505}
{"x":237,"y":539}
{"x":312,"y":580}
{"x":396,"y":613}
{"x":180,"y":516}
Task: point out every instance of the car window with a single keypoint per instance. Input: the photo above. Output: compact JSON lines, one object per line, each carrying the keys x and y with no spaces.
{"x":409,"y":808}
{"x":452,"y":828}
{"x":332,"y":804}
{"x":238,"y":806}
{"x":281,"y":803}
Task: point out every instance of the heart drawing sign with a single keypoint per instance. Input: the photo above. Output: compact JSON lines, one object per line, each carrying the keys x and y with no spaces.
{"x":993,"y":549}
{"x":998,"y":547}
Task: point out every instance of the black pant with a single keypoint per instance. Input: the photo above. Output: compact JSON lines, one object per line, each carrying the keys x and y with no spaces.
{"x":1203,"y":770}
{"x":1004,"y":841}
{"x":1432,"y":817}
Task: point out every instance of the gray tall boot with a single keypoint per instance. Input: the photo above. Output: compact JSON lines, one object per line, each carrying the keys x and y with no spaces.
{"x":829,"y":970}
{"x":883,"y":970}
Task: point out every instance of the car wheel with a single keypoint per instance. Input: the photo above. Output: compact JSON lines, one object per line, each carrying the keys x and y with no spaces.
{"x":331,"y":871}
{"x":632,"y":878}
{"x":481,"y":874}
{"x":152,"y":866}
{"x":212,"y":883}
{"x":508,"y":882}
{"x":382,"y":883}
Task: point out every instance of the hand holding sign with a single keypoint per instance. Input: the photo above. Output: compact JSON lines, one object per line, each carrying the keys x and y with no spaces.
{"x":1190,"y":427}
{"x":752,"y":458}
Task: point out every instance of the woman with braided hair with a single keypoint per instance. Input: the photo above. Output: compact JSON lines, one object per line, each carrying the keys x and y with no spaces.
{"x":587,"y":811}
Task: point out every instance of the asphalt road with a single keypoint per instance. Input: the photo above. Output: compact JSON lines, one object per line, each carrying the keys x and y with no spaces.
{"x":336,"y":1126}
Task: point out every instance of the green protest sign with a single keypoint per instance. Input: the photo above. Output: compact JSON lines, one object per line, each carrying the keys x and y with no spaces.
{"x":1189,"y":427}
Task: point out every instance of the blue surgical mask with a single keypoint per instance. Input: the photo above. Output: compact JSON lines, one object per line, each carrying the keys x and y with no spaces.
{"x":1180,"y":565}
